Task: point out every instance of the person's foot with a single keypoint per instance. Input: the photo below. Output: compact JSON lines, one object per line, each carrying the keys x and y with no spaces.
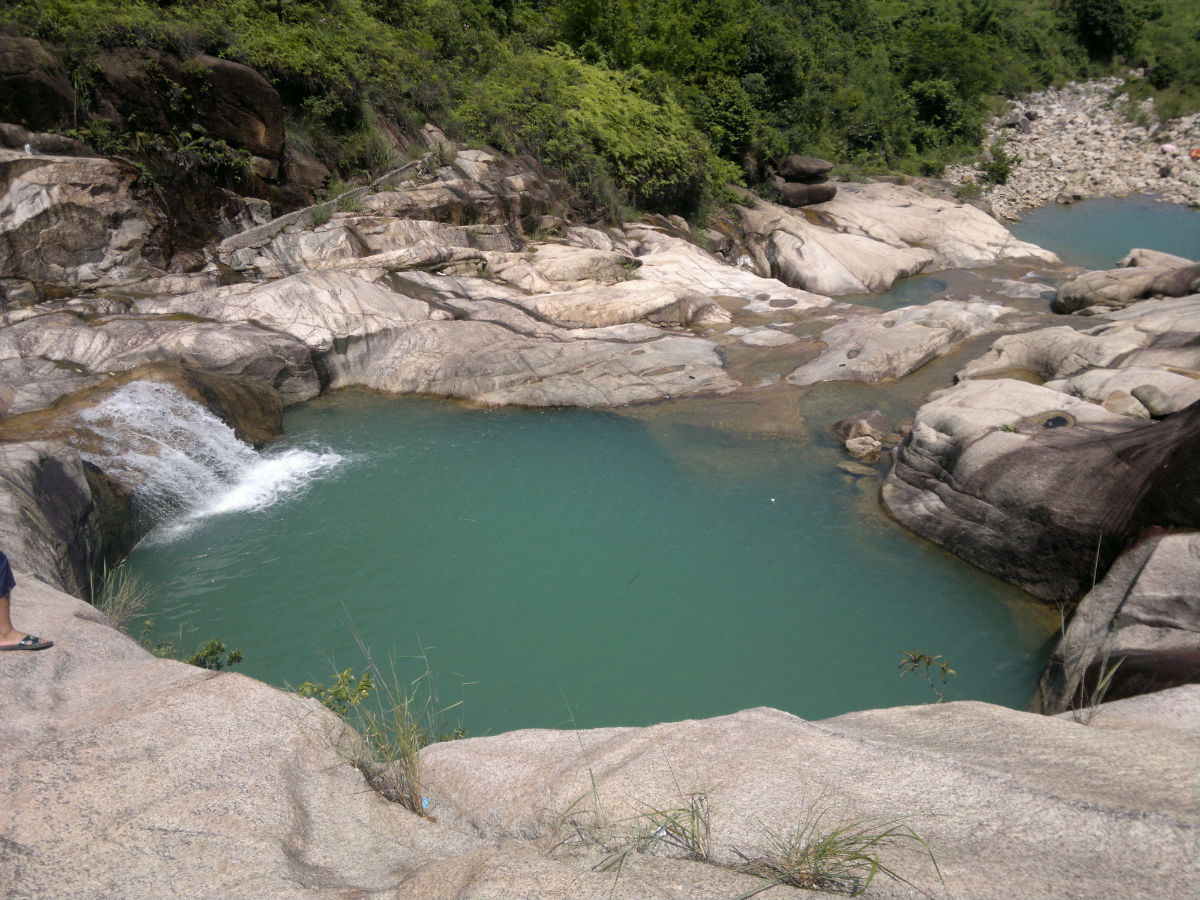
{"x":29,"y":642}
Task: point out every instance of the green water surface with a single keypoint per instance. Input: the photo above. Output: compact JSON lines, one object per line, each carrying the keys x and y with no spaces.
{"x":570,"y":566}
{"x":1096,"y":233}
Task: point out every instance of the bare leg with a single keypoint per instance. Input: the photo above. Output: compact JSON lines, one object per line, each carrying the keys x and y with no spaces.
{"x":8,"y":634}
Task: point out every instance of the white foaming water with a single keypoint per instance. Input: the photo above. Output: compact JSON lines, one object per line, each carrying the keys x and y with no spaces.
{"x":186,"y":463}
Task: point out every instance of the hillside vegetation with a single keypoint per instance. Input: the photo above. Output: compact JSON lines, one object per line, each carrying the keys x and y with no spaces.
{"x":653,"y":104}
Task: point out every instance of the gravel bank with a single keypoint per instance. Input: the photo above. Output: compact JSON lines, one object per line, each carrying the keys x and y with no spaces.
{"x":1077,"y":141}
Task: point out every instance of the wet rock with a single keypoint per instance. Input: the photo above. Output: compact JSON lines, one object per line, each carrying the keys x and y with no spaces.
{"x":865,"y":448}
{"x":871,"y":423}
{"x":1143,"y":619}
{"x":50,"y":524}
{"x":118,"y":343}
{"x":857,"y":469}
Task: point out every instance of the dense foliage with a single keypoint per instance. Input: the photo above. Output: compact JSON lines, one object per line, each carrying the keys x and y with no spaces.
{"x":654,"y":103}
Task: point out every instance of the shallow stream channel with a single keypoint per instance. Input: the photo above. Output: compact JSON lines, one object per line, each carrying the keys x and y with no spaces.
{"x":580,"y":568}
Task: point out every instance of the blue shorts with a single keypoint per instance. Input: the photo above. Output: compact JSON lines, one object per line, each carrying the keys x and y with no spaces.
{"x":7,"y":582}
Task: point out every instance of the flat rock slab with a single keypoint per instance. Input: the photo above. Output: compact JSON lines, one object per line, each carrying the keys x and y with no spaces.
{"x":112,"y":761}
{"x":1002,"y":821}
{"x":892,"y":344}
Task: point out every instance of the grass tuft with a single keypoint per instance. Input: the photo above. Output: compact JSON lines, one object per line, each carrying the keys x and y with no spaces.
{"x":823,"y":854}
{"x":120,"y":595}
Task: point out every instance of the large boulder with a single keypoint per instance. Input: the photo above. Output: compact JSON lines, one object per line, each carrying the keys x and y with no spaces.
{"x":34,"y":89}
{"x":1118,"y":288}
{"x":143,"y":89}
{"x":1038,"y":487}
{"x":801,"y":168}
{"x":794,"y":194}
{"x":77,"y":222}
{"x":1142,"y":623}
{"x":870,"y":235}
{"x":252,"y":409}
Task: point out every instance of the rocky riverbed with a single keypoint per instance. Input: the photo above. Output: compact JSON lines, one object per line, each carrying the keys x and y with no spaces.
{"x":1068,"y":444}
{"x":1086,"y":140}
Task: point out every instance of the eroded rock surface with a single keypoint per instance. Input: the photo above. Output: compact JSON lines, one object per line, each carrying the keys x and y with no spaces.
{"x":76,"y":222}
{"x":892,"y":344}
{"x":1143,"y":620}
{"x":870,"y":235}
{"x":1034,"y":485}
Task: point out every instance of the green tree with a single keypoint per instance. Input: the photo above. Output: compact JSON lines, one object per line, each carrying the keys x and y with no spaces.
{"x":1107,"y":28}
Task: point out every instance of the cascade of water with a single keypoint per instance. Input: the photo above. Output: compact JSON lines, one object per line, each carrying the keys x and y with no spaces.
{"x":186,"y":463}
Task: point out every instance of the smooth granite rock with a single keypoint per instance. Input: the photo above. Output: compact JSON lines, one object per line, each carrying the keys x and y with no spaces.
{"x":113,"y":761}
{"x":1039,"y":487}
{"x":892,"y":344}
{"x":1143,"y":619}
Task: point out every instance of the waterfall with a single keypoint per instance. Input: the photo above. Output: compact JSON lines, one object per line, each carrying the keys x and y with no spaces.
{"x":186,"y":464}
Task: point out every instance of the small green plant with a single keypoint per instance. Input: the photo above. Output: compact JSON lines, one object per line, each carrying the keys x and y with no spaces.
{"x":967,"y":191}
{"x":119,"y":594}
{"x":343,"y":694}
{"x":402,"y":718}
{"x":1088,"y":700}
{"x":322,"y":214}
{"x":926,"y":665}
{"x":683,"y":832}
{"x":214,"y":655}
{"x":1010,"y":429}
{"x":825,"y":854}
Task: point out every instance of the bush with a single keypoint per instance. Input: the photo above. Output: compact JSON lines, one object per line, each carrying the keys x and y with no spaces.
{"x":999,"y":167}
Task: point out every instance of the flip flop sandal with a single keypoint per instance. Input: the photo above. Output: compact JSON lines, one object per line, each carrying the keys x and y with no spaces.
{"x":29,"y":642}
